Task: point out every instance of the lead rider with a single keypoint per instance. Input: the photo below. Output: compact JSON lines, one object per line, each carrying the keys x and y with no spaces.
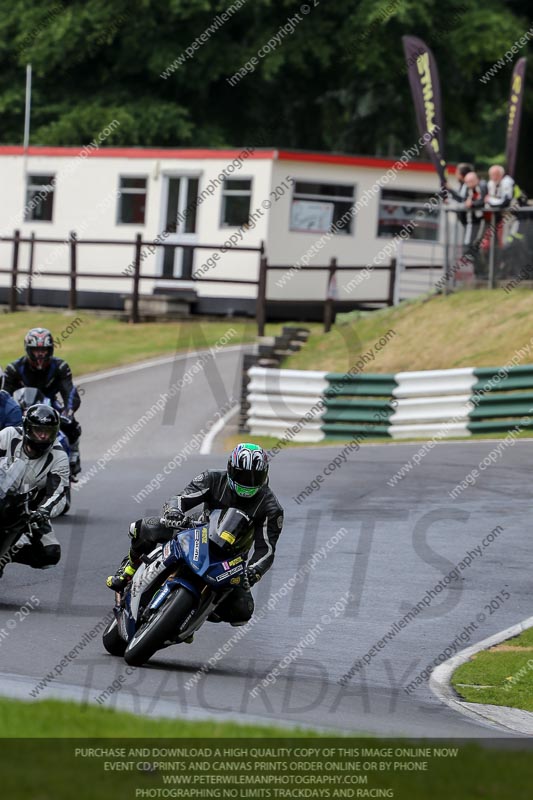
{"x":40,"y":369}
{"x":243,"y":485}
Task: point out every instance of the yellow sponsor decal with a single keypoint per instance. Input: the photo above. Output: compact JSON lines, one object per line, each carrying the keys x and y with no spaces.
{"x":235,"y":561}
{"x":235,"y":581}
{"x":204,"y":535}
{"x":228,"y":537}
{"x":515,"y":97}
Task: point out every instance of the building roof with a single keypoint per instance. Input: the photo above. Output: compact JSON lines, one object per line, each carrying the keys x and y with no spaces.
{"x":206,"y":153}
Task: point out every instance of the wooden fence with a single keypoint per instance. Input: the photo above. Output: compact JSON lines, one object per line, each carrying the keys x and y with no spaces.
{"x":134,"y":274}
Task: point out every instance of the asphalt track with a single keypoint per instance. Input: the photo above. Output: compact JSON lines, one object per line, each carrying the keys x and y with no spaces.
{"x":400,"y":541}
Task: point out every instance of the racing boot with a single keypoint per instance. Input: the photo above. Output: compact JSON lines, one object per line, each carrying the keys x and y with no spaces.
{"x":122,"y":576}
{"x":74,"y":461}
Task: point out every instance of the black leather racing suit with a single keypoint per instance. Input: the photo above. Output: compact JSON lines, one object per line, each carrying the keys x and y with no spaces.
{"x":212,"y":489}
{"x":55,"y":380}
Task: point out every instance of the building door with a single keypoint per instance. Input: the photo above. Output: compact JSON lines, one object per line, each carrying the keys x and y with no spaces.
{"x":179,"y":220}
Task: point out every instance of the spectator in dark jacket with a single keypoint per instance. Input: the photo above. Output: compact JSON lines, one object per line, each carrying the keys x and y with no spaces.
{"x":461,"y":171}
{"x":474,"y":202}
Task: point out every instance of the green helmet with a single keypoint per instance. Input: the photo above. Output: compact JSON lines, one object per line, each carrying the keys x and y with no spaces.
{"x":247,"y":469}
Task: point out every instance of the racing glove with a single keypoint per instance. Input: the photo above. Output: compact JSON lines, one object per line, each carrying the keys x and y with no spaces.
{"x":252,"y":576}
{"x":173,"y":517}
{"x":40,"y":516}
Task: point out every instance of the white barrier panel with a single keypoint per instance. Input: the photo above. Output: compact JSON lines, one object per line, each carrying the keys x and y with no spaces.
{"x":281,"y":429}
{"x":428,"y":431}
{"x":287,"y":381}
{"x":285,"y":406}
{"x":434,"y":383}
{"x":432,"y":409}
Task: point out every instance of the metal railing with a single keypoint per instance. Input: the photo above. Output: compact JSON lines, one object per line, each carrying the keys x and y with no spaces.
{"x":501,"y":247}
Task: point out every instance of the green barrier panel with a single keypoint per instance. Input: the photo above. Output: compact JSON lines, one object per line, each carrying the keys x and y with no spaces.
{"x":366,"y":431}
{"x":355,"y":415}
{"x":493,"y":426}
{"x":504,"y":410}
{"x":506,"y":384}
{"x":491,"y":398}
{"x":378,"y":403}
{"x":378,"y":377}
{"x":370,"y":384}
{"x":520,"y":377}
{"x":521,"y":369}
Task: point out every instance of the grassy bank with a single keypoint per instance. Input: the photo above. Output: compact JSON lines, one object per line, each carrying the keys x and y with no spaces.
{"x":501,"y":676}
{"x":468,"y":329}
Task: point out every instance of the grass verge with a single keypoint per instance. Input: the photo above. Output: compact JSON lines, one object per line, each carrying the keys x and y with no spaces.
{"x":268,"y":442}
{"x":164,"y":758}
{"x":501,"y":676}
{"x":90,"y":342}
{"x":59,"y":719}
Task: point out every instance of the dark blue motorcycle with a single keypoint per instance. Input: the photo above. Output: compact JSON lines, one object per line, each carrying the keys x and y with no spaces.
{"x":180,"y":584}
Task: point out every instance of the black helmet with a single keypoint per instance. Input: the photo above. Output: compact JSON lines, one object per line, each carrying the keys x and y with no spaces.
{"x":39,"y":347}
{"x":247,"y":469}
{"x":40,"y":426}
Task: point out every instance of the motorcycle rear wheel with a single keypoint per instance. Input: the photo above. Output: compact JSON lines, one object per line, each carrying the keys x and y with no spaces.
{"x":163,"y":625}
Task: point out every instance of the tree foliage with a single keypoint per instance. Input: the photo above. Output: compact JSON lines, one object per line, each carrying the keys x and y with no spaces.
{"x":337,"y":81}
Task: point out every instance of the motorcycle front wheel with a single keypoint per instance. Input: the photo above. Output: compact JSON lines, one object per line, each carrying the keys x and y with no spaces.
{"x":112,"y":641}
{"x":160,"y":627}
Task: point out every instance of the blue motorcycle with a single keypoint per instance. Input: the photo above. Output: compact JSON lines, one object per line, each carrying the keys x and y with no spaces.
{"x":179,"y":584}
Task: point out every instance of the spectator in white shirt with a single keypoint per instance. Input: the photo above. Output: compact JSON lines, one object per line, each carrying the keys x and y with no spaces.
{"x":500,"y":188}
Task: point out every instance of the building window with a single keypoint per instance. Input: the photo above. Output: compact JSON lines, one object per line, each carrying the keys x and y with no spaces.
{"x":132,"y":201}
{"x":39,"y":198}
{"x":399,"y":207}
{"x":236,"y":198}
{"x":321,"y":207}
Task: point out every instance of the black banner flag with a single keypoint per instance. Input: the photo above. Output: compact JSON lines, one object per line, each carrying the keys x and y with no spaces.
{"x":513,"y":115}
{"x":425,"y":88}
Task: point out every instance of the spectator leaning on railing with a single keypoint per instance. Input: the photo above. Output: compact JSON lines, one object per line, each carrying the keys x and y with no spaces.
{"x":500,"y":188}
{"x":460,"y":193}
{"x":499,"y":195}
{"x":474,"y":200}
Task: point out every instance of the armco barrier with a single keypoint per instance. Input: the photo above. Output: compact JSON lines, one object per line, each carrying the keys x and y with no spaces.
{"x":313,"y":405}
{"x":279,"y":398}
{"x":434,"y":383}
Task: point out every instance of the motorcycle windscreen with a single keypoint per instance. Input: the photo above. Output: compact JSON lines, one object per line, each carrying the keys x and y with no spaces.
{"x":192,"y":546}
{"x":27,"y":396}
{"x":231,"y":529}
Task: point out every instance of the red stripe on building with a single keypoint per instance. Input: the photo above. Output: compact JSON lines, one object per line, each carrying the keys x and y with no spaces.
{"x":352,"y":161}
{"x":226,"y":155}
